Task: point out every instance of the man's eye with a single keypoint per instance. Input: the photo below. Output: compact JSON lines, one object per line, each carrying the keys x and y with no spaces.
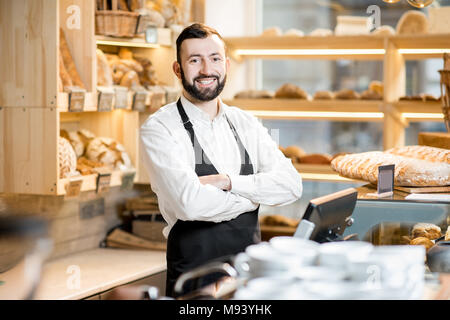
{"x":194,"y":61}
{"x":216,"y":59}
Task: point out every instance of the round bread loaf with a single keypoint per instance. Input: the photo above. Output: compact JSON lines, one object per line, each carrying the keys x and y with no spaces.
{"x":347,"y":94}
{"x":272,"y":31}
{"x":371,"y":95}
{"x":422,"y":241}
{"x":323,"y":95}
{"x":109,"y":152}
{"x":67,"y":158}
{"x":426,"y":230}
{"x":291,"y":91}
{"x":376,"y":86}
{"x":315,"y":158}
{"x":294,"y":153}
{"x":321,"y":32}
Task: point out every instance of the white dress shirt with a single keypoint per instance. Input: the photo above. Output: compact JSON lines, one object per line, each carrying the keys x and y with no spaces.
{"x":168,"y":156}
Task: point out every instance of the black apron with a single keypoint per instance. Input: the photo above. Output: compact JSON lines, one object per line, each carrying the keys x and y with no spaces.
{"x":193,"y":243}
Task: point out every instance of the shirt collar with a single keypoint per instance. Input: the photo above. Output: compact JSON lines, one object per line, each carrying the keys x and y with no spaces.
{"x":195,"y":113}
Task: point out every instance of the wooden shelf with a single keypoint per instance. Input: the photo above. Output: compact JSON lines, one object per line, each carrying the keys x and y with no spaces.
{"x":361,"y":47}
{"x":164,"y":39}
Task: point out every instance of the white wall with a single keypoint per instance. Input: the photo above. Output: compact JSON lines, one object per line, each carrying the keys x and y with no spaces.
{"x":236,"y":18}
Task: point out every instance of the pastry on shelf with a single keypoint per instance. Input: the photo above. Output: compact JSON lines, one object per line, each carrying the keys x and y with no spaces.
{"x":278,"y":220}
{"x":321,"y":32}
{"x":431,"y":154}
{"x":148,"y":76}
{"x":315,"y":158}
{"x":338,"y":154}
{"x":294,"y":33}
{"x":67,"y":158}
{"x":272,"y":32}
{"x":376,"y":86}
{"x":78,"y":139}
{"x":422,"y":241}
{"x":370,"y":95}
{"x":294,"y":153}
{"x":346,"y":94}
{"x":427,"y":230}
{"x":447,"y":234}
{"x":323,"y":95}
{"x":130,"y":80}
{"x":408,"y":171}
{"x":384,"y":30}
{"x":290,"y":91}
{"x":412,"y":22}
{"x":254,"y":94}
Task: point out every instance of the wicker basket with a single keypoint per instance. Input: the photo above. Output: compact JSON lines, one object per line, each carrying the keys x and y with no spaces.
{"x":445,"y":93}
{"x":115,"y":23}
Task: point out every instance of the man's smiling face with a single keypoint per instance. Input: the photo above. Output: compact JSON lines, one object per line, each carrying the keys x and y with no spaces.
{"x":203,"y":67}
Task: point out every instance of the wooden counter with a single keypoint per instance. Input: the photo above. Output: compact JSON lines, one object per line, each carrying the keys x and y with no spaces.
{"x":99,"y":270}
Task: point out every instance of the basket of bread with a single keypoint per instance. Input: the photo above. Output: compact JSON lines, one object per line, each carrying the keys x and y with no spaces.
{"x":116,"y":21}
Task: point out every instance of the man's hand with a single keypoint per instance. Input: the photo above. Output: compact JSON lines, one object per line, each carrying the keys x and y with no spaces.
{"x":221,"y":181}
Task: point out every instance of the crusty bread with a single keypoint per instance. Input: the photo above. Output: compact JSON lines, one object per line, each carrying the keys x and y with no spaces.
{"x":431,"y":154}
{"x":104,"y":75}
{"x":272,"y":31}
{"x":254,"y":94}
{"x":408,"y":171}
{"x":376,"y":86}
{"x":291,"y":91}
{"x":294,"y":152}
{"x":68,"y":60}
{"x":422,"y":241}
{"x":447,"y":234}
{"x":323,"y":95}
{"x":315,"y":158}
{"x":371,"y":95}
{"x":427,"y":230}
{"x":346,"y":94}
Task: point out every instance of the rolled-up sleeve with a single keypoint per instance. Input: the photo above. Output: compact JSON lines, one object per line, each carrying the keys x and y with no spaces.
{"x":177,"y":183}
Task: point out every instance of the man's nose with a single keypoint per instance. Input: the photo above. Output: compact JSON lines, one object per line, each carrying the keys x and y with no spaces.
{"x":206,"y":68}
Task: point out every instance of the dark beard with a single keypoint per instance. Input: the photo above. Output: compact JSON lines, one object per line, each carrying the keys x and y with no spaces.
{"x":205,"y":95}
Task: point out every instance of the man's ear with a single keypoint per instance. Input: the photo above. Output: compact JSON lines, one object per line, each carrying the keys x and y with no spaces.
{"x":176,"y":69}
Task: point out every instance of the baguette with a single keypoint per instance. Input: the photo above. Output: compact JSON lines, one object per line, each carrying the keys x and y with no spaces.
{"x":431,"y":154}
{"x":65,"y":78}
{"x":68,"y":61}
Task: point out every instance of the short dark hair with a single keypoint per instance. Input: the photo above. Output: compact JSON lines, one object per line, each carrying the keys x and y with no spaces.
{"x":196,"y":31}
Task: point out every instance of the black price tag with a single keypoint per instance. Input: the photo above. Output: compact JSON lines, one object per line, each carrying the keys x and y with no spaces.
{"x":105,"y":99}
{"x":128,"y":180}
{"x":386,"y":179}
{"x":103,"y":182}
{"x":139,"y":100}
{"x":76,"y":100}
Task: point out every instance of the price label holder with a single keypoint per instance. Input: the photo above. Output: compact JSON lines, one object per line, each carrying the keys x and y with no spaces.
{"x":103,"y":180}
{"x":385,"y":187}
{"x":73,"y":187}
{"x":128,"y":180}
{"x":76,"y":99}
{"x":139,"y":99}
{"x":121,"y":97}
{"x":105,"y":98}
{"x":151,"y":35}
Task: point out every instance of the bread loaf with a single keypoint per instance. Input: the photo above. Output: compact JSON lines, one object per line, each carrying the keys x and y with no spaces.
{"x":447,"y":234}
{"x":148,"y":76}
{"x":109,"y":152}
{"x":86,"y":166}
{"x":321,"y":32}
{"x":272,"y":31}
{"x":431,"y":154}
{"x":67,"y":158}
{"x":427,"y":230}
{"x":323,"y":95}
{"x":125,"y":53}
{"x":290,"y":91}
{"x":104,"y":74}
{"x":412,"y":22}
{"x":422,"y":241}
{"x":347,"y":94}
{"x":68,"y":60}
{"x":254,"y":94}
{"x":315,"y":158}
{"x":371,"y":95}
{"x":65,"y":77}
{"x":294,"y":33}
{"x":408,"y":171}
{"x":294,"y":153}
{"x":376,"y":86}
{"x":130,"y":79}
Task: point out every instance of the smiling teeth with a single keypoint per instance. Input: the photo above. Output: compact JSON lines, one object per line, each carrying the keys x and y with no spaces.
{"x":205,"y":81}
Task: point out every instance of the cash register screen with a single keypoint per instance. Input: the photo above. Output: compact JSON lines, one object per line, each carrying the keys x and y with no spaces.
{"x":330,"y":214}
